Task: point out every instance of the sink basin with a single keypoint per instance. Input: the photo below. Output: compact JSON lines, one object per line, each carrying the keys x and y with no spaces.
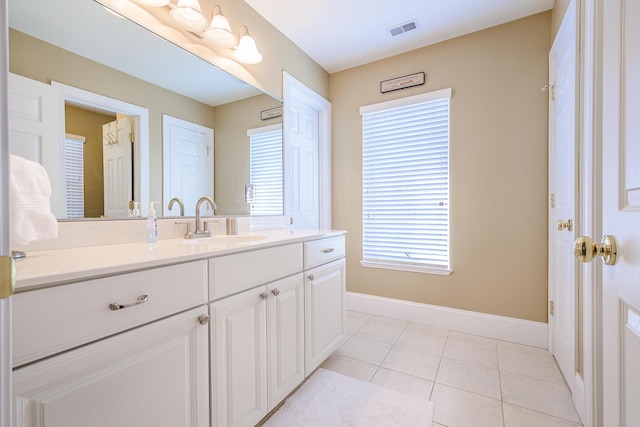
{"x":224,"y":240}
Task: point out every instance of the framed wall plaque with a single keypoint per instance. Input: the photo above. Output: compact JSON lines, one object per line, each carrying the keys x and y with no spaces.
{"x":403,"y":82}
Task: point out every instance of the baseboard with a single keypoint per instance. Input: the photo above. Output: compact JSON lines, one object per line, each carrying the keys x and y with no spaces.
{"x":519,"y":331}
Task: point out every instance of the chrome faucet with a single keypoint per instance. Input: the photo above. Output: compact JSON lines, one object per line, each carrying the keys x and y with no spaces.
{"x":204,"y":231}
{"x":179,"y":201}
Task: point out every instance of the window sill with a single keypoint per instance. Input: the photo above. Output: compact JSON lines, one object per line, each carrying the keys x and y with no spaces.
{"x":414,"y":268}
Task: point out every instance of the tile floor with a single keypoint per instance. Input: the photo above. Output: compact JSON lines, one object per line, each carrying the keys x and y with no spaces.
{"x":473,"y":381}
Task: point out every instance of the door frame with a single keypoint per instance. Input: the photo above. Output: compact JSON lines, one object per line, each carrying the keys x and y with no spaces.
{"x":589,"y":207}
{"x":6,"y":379}
{"x":101,"y":103}
{"x":290,"y":86}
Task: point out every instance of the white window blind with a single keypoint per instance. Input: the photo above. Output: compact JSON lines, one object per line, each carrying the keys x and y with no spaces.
{"x":406,"y":183}
{"x":74,"y":175}
{"x":265,"y":170}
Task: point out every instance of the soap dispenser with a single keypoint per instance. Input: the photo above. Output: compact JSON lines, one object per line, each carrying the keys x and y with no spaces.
{"x":152,"y":224}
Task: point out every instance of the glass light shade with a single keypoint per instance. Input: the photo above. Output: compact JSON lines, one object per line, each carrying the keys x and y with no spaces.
{"x":247,"y":52}
{"x":189,"y":16}
{"x":219,"y":32}
{"x":155,"y":3}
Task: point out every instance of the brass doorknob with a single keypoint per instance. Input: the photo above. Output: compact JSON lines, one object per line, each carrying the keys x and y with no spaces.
{"x":585,"y":249}
{"x":562,"y":225}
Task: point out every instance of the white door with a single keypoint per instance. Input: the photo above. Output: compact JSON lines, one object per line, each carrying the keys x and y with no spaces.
{"x":239,"y":359}
{"x":306,"y":128}
{"x":5,"y":238}
{"x":34,"y":132}
{"x":563,"y":80}
{"x":302,"y":165}
{"x":156,"y":375}
{"x":285,"y":337}
{"x":117,"y":162}
{"x":621,"y":212}
{"x":188,"y":163}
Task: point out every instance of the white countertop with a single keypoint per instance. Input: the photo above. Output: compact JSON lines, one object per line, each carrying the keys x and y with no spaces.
{"x":46,"y":268}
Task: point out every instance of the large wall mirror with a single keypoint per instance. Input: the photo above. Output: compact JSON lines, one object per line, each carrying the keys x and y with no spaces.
{"x":79,"y":44}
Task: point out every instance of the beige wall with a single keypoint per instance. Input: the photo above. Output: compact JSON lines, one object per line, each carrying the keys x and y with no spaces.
{"x":557,"y":13}
{"x":232,"y":149}
{"x":498,"y":168}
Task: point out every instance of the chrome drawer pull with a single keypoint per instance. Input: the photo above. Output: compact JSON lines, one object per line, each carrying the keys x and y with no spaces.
{"x":141,"y":300}
{"x":327,"y":251}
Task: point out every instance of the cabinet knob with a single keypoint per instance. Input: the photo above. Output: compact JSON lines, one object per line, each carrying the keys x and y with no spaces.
{"x":310,"y":277}
{"x":275,"y":292}
{"x":204,"y":319}
{"x":264,"y":295}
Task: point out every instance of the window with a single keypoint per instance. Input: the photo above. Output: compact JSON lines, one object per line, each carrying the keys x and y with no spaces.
{"x":74,"y":175}
{"x":265,"y":171}
{"x":405,"y":162}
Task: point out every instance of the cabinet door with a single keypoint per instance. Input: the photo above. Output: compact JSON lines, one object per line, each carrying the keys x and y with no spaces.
{"x":155,"y":375}
{"x":238,"y":348}
{"x":324,"y":312}
{"x":285,"y":337}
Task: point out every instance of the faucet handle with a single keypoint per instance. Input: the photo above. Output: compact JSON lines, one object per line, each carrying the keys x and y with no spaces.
{"x":189,"y":233}
{"x":206,"y":222}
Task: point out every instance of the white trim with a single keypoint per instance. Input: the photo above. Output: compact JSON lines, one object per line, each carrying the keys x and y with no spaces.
{"x":323,"y":107}
{"x":403,"y":102}
{"x":263,"y":129}
{"x":519,"y":331}
{"x":141,"y":148}
{"x":74,"y":137}
{"x":590,"y":203}
{"x":416,"y":268}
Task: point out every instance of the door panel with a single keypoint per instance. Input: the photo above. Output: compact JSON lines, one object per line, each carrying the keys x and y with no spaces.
{"x":563,"y":142}
{"x":117,"y":158}
{"x":188,"y":163}
{"x":34,"y":132}
{"x":621,"y":212}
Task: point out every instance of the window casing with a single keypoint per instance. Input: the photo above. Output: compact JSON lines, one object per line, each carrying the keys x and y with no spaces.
{"x":406,"y":183}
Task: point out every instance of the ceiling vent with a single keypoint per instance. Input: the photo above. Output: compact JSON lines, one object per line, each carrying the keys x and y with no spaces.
{"x":404,"y":27}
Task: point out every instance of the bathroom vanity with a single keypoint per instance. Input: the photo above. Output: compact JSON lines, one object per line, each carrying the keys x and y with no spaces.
{"x":210,"y":332}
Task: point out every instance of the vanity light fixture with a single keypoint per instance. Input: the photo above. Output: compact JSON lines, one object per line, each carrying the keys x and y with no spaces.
{"x":247,"y":51}
{"x":189,"y":16}
{"x":219,"y":31}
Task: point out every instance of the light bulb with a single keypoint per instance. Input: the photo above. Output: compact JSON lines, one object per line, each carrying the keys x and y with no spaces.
{"x":219,"y":32}
{"x":188,"y":15}
{"x":247,"y":52}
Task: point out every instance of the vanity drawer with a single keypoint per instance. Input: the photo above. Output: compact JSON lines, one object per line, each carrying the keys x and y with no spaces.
{"x":321,"y":251}
{"x":50,"y":320}
{"x":235,"y":273}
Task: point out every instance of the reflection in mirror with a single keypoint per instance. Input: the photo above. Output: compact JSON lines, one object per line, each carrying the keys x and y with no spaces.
{"x":77,"y":43}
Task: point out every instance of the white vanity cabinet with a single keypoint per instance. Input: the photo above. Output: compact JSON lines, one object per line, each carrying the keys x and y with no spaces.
{"x":257,"y":336}
{"x":325,"y":281}
{"x":126,"y":350}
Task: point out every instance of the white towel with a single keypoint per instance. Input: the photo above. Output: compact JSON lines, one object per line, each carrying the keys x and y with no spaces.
{"x":31,"y":217}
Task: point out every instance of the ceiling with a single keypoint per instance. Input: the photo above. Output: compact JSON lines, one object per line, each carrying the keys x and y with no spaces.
{"x":341,"y":34}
